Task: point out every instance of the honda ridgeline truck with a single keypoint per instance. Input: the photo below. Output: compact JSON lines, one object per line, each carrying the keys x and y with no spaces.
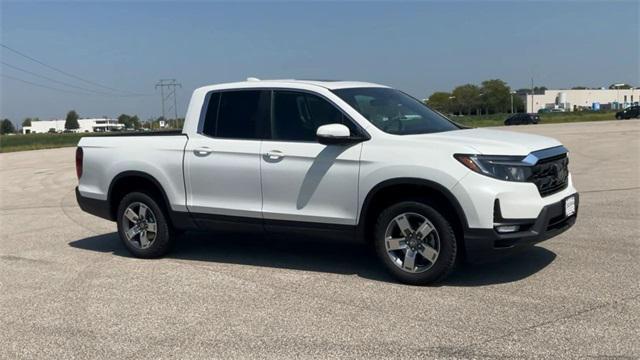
{"x":333,"y":159}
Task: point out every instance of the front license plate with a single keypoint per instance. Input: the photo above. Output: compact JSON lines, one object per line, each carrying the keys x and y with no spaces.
{"x":570,"y":206}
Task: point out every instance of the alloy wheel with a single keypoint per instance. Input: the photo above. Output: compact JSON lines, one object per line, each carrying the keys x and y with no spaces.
{"x":139,"y":224}
{"x":412,"y":242}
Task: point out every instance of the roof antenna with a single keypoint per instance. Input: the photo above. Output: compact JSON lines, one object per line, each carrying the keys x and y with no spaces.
{"x":253,"y":79}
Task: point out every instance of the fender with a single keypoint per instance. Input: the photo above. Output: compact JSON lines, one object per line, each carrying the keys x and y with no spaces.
{"x":411,"y":181}
{"x":179,"y":219}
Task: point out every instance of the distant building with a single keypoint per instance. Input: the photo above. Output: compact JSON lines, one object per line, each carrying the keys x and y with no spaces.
{"x":86,"y":125}
{"x":572,"y":100}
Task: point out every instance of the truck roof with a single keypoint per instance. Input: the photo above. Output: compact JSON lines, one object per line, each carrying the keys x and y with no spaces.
{"x":328,"y":84}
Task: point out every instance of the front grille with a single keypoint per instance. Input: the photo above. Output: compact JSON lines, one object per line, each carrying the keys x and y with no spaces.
{"x":551,"y":174}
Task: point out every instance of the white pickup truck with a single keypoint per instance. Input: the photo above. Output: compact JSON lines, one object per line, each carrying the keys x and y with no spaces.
{"x":333,"y":159}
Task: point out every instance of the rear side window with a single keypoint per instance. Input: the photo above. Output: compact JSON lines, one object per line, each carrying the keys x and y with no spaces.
{"x":211,"y":115}
{"x":237,"y":114}
{"x":297,"y":116}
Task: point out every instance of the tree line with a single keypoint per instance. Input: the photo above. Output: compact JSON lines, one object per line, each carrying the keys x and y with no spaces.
{"x":71,"y":122}
{"x":490,"y":97}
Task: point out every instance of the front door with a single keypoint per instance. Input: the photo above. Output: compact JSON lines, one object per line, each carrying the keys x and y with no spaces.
{"x":303,"y":180}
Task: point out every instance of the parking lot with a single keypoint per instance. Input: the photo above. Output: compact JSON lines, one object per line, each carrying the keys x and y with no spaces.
{"x":69,"y":289}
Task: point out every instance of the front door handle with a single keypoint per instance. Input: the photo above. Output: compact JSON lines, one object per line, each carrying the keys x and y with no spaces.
{"x":202,"y":151}
{"x":274,"y":155}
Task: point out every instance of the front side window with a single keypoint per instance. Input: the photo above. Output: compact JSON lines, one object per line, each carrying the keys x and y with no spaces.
{"x":297,"y":116}
{"x":236,"y":114}
{"x":395,"y":112}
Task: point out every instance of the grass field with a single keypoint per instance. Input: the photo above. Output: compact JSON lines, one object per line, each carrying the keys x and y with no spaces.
{"x":23,"y":142}
{"x":19,"y":142}
{"x":548,"y":118}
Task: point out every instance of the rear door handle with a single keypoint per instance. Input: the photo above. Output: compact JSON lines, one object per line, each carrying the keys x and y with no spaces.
{"x":274,"y":155}
{"x":202,"y":151}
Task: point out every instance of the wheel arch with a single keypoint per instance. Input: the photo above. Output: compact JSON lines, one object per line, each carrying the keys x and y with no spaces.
{"x":131,"y":180}
{"x":392,"y":190}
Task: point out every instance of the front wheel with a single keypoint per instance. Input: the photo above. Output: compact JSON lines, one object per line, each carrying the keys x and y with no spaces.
{"x":415,"y":242}
{"x":143,"y":227}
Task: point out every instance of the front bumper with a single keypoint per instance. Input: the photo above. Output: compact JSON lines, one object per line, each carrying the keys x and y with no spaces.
{"x":487,"y":244}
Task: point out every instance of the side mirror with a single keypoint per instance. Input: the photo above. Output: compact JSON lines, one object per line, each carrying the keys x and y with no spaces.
{"x":332,"y":134}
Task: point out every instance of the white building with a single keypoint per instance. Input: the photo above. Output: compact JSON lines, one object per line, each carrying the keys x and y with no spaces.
{"x":572,"y":100}
{"x":86,"y":125}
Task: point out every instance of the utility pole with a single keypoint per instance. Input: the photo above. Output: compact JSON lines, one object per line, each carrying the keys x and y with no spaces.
{"x":511,"y":93}
{"x":532,"y":94}
{"x":166,"y":95}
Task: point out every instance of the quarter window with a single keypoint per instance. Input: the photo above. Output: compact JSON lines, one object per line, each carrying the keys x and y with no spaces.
{"x":209,"y":126}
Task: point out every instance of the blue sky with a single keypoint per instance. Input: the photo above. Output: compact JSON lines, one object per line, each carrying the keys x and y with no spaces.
{"x":419,"y":47}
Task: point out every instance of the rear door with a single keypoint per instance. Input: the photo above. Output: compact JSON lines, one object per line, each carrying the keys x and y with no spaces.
{"x":222,"y":161}
{"x":304,"y":181}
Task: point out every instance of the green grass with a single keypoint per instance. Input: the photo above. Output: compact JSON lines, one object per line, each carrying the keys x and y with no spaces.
{"x":547,"y":118}
{"x":23,"y":142}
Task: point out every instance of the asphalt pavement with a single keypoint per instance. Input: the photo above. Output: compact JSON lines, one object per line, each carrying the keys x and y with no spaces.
{"x":69,"y":289}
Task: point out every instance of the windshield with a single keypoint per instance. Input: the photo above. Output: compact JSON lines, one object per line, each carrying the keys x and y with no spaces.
{"x":395,"y":112}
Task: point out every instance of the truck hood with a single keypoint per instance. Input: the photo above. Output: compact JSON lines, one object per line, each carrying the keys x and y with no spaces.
{"x":494,"y":142}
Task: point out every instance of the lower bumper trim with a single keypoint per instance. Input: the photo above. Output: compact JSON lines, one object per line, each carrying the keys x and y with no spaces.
{"x":95,"y":207}
{"x":482,"y":245}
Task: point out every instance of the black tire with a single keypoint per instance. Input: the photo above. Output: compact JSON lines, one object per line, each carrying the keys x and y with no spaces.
{"x":446,"y":260}
{"x":163,"y":239}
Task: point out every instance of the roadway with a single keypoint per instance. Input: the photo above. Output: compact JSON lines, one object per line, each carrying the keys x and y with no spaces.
{"x":69,"y":289}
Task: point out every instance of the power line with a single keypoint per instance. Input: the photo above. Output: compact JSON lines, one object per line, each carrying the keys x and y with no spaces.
{"x":171,"y":85}
{"x":64,"y":72}
{"x":43,"y":86}
{"x":53,"y":80}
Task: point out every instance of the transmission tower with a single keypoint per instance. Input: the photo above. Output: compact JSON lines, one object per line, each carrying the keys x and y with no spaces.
{"x":168,"y":91}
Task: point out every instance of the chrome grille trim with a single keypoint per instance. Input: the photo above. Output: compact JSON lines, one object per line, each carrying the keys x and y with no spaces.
{"x":536,"y":156}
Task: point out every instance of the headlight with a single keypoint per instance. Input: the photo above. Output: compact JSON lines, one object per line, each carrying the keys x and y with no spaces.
{"x":508,"y":168}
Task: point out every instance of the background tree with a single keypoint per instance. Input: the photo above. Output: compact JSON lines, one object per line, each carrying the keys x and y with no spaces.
{"x":26,"y":122}
{"x":135,"y":122}
{"x":124,"y":120}
{"x":440,"y":101}
{"x":518,"y":104}
{"x":176,"y":123}
{"x":466,"y":98}
{"x":6,"y":127}
{"x":539,"y":90}
{"x":72,"y":121}
{"x":129,"y":122}
{"x":496,"y":96}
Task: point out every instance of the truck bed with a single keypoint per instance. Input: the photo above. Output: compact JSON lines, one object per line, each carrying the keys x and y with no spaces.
{"x":156,"y":154}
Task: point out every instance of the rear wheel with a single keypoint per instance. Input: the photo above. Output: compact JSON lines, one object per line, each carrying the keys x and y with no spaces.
{"x":143,"y":227}
{"x":415,"y":242}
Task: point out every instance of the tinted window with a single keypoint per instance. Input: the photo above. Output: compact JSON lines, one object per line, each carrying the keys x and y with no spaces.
{"x":211,"y":115}
{"x":237,"y":114}
{"x":297,"y":116}
{"x":395,"y":112}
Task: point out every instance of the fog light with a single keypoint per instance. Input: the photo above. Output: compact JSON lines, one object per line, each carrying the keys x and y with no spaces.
{"x":507,"y":228}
